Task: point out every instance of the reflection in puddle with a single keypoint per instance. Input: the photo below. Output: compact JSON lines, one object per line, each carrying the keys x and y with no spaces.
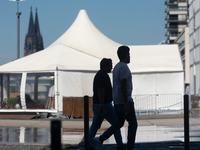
{"x":32,"y":135}
{"x":24,"y":135}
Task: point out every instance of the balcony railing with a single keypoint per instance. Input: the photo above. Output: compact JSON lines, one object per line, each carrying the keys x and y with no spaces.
{"x":174,"y":2}
{"x":173,"y":34}
{"x":171,"y":2}
{"x":183,"y":56}
{"x":182,"y":45}
{"x":183,"y":1}
{"x":178,"y":9}
{"x":177,"y":19}
{"x":172,"y":28}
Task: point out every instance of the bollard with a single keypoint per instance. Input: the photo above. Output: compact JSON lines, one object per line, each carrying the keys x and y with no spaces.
{"x":86,"y":122}
{"x":186,"y":121}
{"x":56,"y":135}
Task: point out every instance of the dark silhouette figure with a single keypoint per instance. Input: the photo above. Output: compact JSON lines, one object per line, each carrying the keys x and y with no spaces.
{"x":102,"y":98}
{"x":123,"y":102}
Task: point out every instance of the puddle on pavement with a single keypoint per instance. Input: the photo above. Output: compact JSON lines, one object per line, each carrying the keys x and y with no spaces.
{"x":32,"y":135}
{"x":24,"y":135}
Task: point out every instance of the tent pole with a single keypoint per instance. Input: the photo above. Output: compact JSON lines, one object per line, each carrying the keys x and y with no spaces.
{"x":22,"y":90}
{"x":57,"y":92}
{"x":1,"y":78}
{"x":8,"y":85}
{"x":36,"y":89}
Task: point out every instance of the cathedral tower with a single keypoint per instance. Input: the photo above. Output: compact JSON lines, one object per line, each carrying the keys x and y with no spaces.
{"x":33,"y":40}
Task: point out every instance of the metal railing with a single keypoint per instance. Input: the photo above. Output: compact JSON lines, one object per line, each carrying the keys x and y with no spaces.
{"x":183,"y":1}
{"x":155,"y":104}
{"x":171,"y":2}
{"x":182,"y":44}
{"x":173,"y":34}
{"x":176,"y":19}
{"x":172,"y":28}
{"x":178,"y":9}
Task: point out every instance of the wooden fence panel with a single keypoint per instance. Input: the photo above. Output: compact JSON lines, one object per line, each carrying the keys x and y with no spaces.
{"x":75,"y":106}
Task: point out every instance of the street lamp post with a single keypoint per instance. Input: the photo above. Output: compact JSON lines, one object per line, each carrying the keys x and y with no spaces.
{"x":18,"y":31}
{"x":18,"y":28}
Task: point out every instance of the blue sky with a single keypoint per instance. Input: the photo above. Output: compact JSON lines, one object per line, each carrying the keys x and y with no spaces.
{"x":129,"y":22}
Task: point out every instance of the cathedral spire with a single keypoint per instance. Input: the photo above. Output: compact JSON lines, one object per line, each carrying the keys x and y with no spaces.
{"x":31,"y":30}
{"x":33,"y":40}
{"x":37,"y":28}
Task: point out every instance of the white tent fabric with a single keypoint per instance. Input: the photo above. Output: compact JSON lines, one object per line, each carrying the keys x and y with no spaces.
{"x":76,"y":84}
{"x":60,"y":56}
{"x":85,"y":37}
{"x":155,"y":58}
{"x":158,"y":83}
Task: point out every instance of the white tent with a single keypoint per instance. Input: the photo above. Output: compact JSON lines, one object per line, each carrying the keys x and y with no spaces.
{"x":155,"y":58}
{"x":57,"y":56}
{"x":74,"y":59}
{"x":85,"y":37}
{"x":158,"y":78}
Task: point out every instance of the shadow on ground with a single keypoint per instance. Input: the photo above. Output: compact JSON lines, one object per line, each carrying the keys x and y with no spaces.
{"x":177,"y":145}
{"x":140,"y":146}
